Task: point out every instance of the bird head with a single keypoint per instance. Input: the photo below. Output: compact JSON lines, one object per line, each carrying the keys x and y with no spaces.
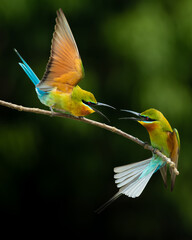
{"x":89,"y":102}
{"x":151,"y":119}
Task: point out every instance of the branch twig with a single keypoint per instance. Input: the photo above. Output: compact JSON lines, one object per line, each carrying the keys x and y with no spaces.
{"x":95,"y":123}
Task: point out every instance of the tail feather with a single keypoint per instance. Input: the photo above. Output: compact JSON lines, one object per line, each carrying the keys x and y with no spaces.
{"x":132,"y":165}
{"x":132,"y":179}
{"x":119,"y":179}
{"x":128,"y":179}
{"x":126,"y":172}
{"x":133,"y":182}
{"x":106,"y":204}
{"x":29,"y":74}
{"x":136,"y":188}
{"x":28,"y":70}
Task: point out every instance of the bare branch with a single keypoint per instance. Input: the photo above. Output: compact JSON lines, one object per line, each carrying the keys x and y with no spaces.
{"x":95,"y":123}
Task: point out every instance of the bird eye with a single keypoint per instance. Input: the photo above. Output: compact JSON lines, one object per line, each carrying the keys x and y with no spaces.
{"x":148,"y":119}
{"x":88,"y":103}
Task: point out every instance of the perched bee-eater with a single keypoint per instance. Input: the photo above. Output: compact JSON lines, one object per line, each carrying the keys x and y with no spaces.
{"x":133,"y":178}
{"x":58,"y":88}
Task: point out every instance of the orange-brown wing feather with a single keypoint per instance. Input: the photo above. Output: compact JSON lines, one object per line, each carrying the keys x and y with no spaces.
{"x":64,"y":69}
{"x":163,"y":171}
{"x":174,"y":136}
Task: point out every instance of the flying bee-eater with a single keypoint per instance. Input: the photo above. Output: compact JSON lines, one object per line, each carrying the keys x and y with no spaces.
{"x":58,"y":88}
{"x":131,"y":179}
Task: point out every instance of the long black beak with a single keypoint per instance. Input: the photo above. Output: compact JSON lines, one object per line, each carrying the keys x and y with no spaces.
{"x":101,"y":104}
{"x":97,"y":111}
{"x":105,"y":105}
{"x":134,"y":113}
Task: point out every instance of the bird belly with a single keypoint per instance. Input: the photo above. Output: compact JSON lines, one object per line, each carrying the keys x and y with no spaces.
{"x":64,"y":102}
{"x":59,"y":100}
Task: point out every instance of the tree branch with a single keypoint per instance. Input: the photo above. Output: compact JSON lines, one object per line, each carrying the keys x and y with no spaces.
{"x":95,"y":123}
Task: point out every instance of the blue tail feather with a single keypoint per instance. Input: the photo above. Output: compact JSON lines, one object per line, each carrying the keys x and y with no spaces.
{"x":29,"y":74}
{"x":28,"y":70}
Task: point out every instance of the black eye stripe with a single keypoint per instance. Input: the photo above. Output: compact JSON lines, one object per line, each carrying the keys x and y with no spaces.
{"x":145,"y":118}
{"x":88,"y":103}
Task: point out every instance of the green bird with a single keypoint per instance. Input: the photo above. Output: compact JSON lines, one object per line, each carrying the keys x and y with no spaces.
{"x":59,"y":87}
{"x":131,"y":179}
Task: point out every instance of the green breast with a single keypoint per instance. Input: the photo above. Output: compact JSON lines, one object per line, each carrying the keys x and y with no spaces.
{"x":159,"y":140}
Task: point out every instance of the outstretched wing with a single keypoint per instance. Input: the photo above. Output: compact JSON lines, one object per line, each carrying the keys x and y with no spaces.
{"x":174,"y":154}
{"x":64,"y":69}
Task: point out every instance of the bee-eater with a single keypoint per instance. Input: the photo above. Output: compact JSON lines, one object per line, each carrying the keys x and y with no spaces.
{"x":58,"y":88}
{"x":133,"y":178}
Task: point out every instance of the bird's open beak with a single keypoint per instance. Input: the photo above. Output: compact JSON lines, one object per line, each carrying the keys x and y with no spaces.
{"x":101,"y":104}
{"x":134,"y":113}
{"x":105,"y":105}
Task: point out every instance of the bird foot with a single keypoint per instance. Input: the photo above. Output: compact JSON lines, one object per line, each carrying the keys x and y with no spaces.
{"x":146,"y":145}
{"x":80,"y":117}
{"x":155,"y":150}
{"x":52,"y":112}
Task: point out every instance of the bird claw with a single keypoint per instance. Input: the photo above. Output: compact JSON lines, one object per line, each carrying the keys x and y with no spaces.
{"x":80,"y":117}
{"x":146,"y":144}
{"x":155,"y":150}
{"x":52,"y":112}
{"x":172,"y":164}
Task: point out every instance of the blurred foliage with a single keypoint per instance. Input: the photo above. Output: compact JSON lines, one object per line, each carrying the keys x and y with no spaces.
{"x":55,"y":172}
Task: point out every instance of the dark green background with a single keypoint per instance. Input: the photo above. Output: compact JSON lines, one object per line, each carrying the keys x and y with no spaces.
{"x":55,"y":172}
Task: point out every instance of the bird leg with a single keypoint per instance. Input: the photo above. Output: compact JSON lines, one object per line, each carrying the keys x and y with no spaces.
{"x":146,"y":145}
{"x":51,"y":108}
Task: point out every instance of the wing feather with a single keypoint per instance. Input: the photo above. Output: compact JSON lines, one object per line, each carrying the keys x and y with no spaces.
{"x":64,"y":66}
{"x":163,"y":171}
{"x":174,"y":154}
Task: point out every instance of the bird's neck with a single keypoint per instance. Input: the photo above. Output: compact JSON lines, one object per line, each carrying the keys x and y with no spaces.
{"x":79,"y":108}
